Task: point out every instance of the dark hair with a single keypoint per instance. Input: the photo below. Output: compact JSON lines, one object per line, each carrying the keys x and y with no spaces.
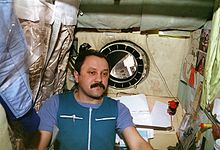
{"x":82,"y":56}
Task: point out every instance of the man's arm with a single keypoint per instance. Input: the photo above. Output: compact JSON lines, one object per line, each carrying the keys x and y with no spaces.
{"x":47,"y":114}
{"x":134,"y":140}
{"x":45,"y":138}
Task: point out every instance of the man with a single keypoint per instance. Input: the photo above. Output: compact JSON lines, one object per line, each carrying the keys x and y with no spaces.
{"x":86,"y":119}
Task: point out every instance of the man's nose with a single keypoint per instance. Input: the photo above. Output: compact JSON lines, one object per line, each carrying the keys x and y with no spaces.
{"x":99,"y":77}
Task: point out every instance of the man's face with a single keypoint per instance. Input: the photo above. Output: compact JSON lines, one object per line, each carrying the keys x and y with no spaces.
{"x":93,"y":77}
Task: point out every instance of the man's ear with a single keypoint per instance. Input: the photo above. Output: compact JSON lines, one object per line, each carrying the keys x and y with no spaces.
{"x":76,"y":76}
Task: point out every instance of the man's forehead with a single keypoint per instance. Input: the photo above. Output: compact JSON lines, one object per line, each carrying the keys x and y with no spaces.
{"x":95,"y":59}
{"x":95,"y":62}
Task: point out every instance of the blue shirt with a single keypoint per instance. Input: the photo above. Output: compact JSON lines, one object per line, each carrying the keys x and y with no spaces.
{"x":48,"y":114}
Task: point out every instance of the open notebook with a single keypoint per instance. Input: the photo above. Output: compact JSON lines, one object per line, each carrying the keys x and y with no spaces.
{"x":139,"y":109}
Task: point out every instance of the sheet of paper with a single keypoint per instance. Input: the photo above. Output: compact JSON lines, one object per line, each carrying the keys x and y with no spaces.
{"x":145,"y":133}
{"x":54,"y":135}
{"x":135,"y":102}
{"x":142,"y":118}
{"x":138,"y":106}
{"x":216,"y":108}
{"x":159,"y":115}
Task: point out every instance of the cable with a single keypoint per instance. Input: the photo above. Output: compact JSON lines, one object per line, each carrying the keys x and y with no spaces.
{"x":161,"y":75}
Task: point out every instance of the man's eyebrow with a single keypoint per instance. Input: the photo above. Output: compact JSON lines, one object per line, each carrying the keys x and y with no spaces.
{"x":106,"y":70}
{"x":94,"y":68}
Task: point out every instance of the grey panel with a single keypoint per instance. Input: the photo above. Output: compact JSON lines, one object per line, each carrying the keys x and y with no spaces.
{"x":146,"y":14}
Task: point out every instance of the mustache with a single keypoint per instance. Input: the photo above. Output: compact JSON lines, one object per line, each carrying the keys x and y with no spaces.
{"x":97,"y":84}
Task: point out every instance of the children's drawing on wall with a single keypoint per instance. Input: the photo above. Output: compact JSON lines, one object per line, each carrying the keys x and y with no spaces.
{"x":200,"y":63}
{"x":188,"y":73}
{"x":204,"y":39}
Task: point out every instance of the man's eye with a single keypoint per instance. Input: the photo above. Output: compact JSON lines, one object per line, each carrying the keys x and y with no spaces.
{"x":91,"y":72}
{"x":105,"y":74}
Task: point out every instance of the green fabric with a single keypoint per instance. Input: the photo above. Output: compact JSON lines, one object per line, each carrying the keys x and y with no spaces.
{"x":211,"y":85}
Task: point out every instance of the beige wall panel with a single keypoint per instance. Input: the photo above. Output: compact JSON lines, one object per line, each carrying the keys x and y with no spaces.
{"x":168,"y":54}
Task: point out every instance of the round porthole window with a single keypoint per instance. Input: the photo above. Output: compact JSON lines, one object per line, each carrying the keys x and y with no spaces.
{"x":129,"y":62}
